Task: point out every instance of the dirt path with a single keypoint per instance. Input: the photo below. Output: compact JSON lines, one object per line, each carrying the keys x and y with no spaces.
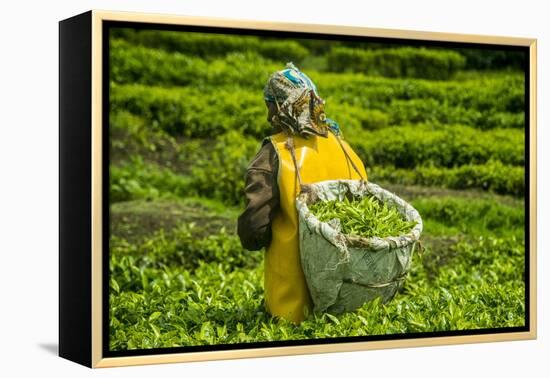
{"x":136,"y":220}
{"x":410,"y":192}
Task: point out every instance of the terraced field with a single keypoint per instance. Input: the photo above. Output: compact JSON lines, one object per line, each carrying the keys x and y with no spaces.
{"x":187,"y":116}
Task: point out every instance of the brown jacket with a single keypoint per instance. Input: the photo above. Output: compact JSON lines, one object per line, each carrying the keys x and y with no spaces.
{"x":262,"y":199}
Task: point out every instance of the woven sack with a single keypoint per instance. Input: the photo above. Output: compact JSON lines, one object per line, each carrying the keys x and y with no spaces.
{"x":345,"y":271}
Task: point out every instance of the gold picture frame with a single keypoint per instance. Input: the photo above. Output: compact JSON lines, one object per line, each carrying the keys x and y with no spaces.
{"x":82,"y":258}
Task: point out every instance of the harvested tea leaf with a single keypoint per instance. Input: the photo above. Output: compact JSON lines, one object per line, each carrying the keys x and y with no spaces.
{"x":367,"y":217}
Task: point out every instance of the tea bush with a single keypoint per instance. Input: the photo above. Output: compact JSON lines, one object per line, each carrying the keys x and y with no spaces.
{"x":178,"y":290}
{"x":136,"y":179}
{"x":217,"y":168}
{"x":186,"y":111}
{"x":492,"y":176}
{"x":131,"y":64}
{"x":502,"y":93}
{"x":182,"y":248}
{"x":481,"y":59}
{"x":397,"y":62}
{"x":212,"y":45}
{"x":217,"y":172}
{"x":447,"y":215}
{"x":442,"y":146}
{"x":192,"y":112}
{"x":132,"y":135}
{"x":221,"y":174}
{"x":431,"y":111}
{"x":207,"y":45}
{"x":189,"y":111}
{"x":138,"y":64}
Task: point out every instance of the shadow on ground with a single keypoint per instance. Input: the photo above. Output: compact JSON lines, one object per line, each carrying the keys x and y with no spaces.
{"x":52,"y":348}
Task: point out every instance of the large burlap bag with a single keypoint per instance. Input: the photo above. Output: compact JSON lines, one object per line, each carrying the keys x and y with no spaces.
{"x":343,"y":271}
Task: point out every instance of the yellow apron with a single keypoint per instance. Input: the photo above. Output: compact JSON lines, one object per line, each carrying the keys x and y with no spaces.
{"x":318,"y":159}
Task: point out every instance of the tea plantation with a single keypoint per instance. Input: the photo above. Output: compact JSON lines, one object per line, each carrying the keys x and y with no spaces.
{"x":441,"y":128}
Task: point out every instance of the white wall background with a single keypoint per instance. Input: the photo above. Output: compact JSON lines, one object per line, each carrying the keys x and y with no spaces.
{"x":28,"y":187}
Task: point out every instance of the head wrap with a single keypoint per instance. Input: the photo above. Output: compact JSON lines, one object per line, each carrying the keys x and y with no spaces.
{"x":300,"y":110}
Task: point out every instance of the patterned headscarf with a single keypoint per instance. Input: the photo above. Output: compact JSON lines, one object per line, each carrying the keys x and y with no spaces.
{"x":300,"y":110}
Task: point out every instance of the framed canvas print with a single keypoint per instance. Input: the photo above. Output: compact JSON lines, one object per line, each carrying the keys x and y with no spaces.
{"x":234,"y":188}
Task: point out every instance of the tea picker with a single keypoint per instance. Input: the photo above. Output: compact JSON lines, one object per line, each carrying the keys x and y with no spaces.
{"x":312,"y":265}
